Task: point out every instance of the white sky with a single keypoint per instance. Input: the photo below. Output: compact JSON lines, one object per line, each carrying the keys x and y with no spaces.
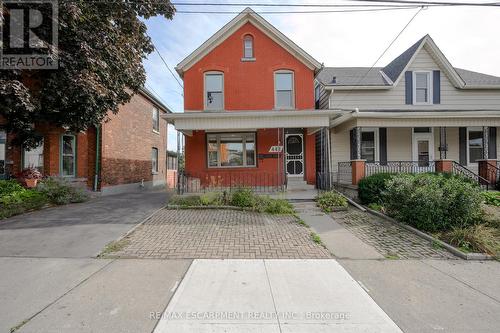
{"x":468,"y":36}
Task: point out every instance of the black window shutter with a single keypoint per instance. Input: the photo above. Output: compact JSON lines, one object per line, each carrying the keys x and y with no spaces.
{"x":382,"y":136}
{"x":409,"y":87}
{"x":492,"y":144}
{"x":462,"y":144}
{"x":436,"y":87}
{"x":352,"y":144}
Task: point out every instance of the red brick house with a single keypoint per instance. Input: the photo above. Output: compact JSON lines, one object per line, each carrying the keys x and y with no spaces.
{"x":130,"y":150}
{"x":249,"y":101}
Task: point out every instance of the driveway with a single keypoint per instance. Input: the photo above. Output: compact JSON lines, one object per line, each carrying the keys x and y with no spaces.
{"x":77,"y":230}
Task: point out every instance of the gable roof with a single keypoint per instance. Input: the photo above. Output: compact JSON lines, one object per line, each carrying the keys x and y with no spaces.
{"x":389,"y":76}
{"x":247,"y":15}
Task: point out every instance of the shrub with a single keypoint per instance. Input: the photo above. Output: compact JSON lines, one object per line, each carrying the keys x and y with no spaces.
{"x":213,"y":199}
{"x":243,"y":198}
{"x":433,"y":202}
{"x":491,"y":198}
{"x":21,"y":201}
{"x":328,"y":201}
{"x":185,"y":201}
{"x":370,"y":188}
{"x":9,"y":186}
{"x":278,"y":206}
{"x":60,"y":192}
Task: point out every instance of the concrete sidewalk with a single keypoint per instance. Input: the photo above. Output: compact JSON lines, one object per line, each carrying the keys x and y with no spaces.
{"x":271,"y":296}
{"x":85,"y":295}
{"x":340,"y":241}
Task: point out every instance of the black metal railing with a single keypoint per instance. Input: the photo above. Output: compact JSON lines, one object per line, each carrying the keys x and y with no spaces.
{"x":399,"y":167}
{"x":460,"y":170}
{"x":230,"y":180}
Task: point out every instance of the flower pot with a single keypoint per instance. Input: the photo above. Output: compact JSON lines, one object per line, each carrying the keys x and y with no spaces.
{"x":31,"y":183}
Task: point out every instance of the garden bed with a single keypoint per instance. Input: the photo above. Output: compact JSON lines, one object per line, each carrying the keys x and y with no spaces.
{"x":15,"y":199}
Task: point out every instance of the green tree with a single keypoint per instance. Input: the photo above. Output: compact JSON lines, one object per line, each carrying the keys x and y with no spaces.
{"x":100,"y":52}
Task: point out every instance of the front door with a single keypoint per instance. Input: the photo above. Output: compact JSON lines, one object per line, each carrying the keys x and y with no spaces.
{"x":294,"y":153}
{"x":423,"y":148}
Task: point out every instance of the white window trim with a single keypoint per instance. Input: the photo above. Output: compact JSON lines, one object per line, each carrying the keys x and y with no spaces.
{"x":73,"y":175}
{"x":155,"y":172}
{"x":284,"y":71}
{"x":429,"y":87}
{"x":472,"y":129}
{"x":376,"y":137}
{"x":157,"y":131}
{"x":219,"y":164}
{"x":205,"y":108}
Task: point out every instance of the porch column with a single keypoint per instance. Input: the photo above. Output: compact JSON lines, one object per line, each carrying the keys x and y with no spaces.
{"x":357,"y":142}
{"x":443,"y":146}
{"x":444,"y":165}
{"x":486,"y":140}
{"x":357,"y":170}
{"x":488,"y":170}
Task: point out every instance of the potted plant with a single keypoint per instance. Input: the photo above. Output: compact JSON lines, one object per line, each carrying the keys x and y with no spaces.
{"x":30,"y":177}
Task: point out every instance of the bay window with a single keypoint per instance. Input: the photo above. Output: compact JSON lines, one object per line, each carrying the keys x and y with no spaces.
{"x":231,"y":150}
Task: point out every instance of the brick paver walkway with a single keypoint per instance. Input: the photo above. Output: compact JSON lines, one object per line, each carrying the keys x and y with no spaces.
{"x":209,"y":234}
{"x":388,"y":238}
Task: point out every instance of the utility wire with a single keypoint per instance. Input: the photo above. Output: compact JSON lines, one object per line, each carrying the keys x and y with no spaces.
{"x":433,"y":3}
{"x":383,"y":53}
{"x":296,"y":11}
{"x":166,"y":65}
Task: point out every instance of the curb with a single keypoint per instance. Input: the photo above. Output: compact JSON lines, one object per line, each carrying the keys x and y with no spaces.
{"x":210,"y":207}
{"x":450,"y":248}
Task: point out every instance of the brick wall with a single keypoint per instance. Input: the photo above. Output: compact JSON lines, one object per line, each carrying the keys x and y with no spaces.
{"x":127,"y":140}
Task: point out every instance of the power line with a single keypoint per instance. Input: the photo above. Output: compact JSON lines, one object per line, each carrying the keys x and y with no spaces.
{"x":166,"y":65}
{"x":297,"y":11}
{"x":433,"y":3}
{"x":228,"y":4}
{"x":383,"y":53}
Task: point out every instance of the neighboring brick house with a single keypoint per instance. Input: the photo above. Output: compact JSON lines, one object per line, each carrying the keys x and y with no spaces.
{"x":249,"y":102}
{"x":130,"y":150}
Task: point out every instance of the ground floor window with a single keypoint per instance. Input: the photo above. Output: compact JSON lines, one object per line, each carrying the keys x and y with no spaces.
{"x":33,"y":158}
{"x":231,"y":150}
{"x":171,"y":162}
{"x":154,"y":160}
{"x":475,"y":144}
{"x":68,"y":155}
{"x":369,"y":144}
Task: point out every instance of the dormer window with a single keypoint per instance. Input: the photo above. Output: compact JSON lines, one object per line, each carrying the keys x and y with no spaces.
{"x":422,"y":87}
{"x":248,"y":53}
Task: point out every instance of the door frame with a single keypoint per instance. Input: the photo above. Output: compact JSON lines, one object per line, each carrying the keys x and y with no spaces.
{"x":286,"y":155}
{"x":415,"y":137}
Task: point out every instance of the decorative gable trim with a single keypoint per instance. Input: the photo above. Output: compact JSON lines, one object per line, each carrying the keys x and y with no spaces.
{"x":247,"y":15}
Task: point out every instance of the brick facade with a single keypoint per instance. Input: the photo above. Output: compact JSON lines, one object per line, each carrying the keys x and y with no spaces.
{"x":125,"y":151}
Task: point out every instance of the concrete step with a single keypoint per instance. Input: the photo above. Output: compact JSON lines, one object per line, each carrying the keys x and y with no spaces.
{"x":298,"y":184}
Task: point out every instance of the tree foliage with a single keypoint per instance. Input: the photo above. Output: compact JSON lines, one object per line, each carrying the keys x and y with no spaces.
{"x":100,"y":52}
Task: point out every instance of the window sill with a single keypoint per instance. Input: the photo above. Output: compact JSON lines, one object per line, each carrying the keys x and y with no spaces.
{"x":156,"y":132}
{"x":154,"y":173}
{"x":248,"y":59}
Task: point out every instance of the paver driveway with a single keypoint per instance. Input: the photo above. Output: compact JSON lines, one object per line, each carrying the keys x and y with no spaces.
{"x":218,"y":234}
{"x":390,"y":239}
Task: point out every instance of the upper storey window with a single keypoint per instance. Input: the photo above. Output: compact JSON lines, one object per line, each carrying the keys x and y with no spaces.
{"x":422,"y":88}
{"x":214,"y":91}
{"x":248,"y":47}
{"x":284,"y":95}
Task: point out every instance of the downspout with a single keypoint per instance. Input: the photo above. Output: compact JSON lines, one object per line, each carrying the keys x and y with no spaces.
{"x":97,"y":156}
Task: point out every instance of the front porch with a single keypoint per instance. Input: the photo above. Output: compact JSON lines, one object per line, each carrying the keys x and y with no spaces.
{"x":360,"y":151}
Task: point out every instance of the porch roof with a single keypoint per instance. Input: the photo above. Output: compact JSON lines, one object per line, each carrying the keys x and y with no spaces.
{"x":246,"y":120}
{"x":416,"y":119}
